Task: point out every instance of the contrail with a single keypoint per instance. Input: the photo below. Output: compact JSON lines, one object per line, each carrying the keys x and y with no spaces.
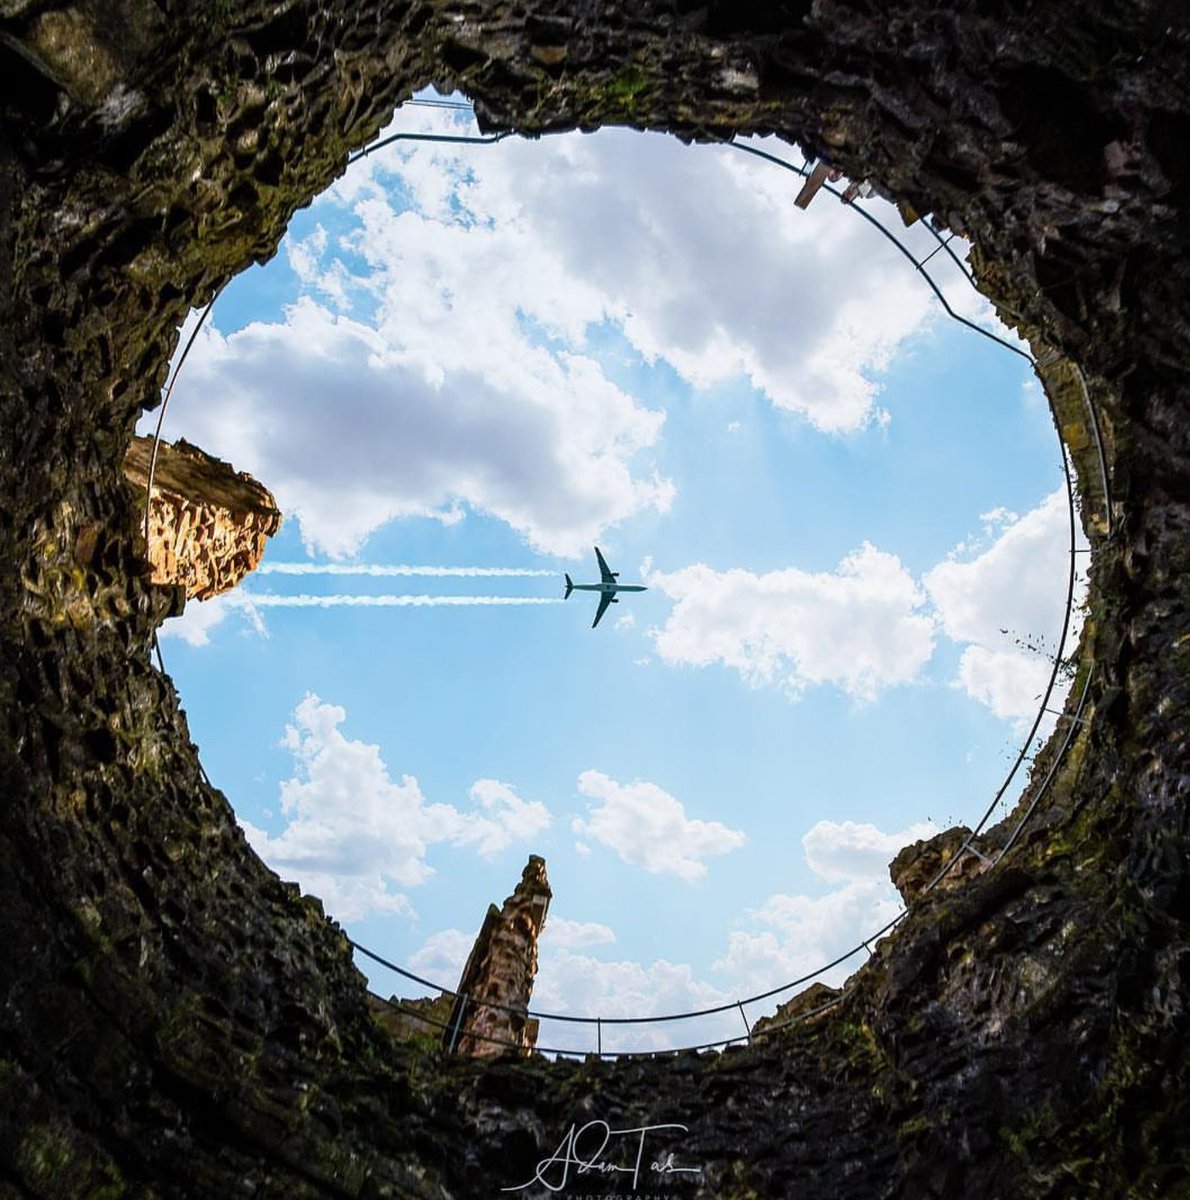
{"x":272,"y":600}
{"x":382,"y":570}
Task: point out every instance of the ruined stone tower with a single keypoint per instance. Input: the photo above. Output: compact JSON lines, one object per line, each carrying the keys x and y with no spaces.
{"x":500,"y":971}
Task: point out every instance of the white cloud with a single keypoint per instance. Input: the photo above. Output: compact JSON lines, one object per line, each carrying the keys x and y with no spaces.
{"x":351,"y":428}
{"x":353,"y":835}
{"x":791,"y":935}
{"x":352,"y":831}
{"x":1013,"y":581}
{"x":860,"y":627}
{"x":1012,"y":593}
{"x":869,"y":626}
{"x":677,"y":261}
{"x":577,"y":984}
{"x":574,"y":935}
{"x":304,"y":255}
{"x":852,"y":852}
{"x":788,"y":936}
{"x":1010,"y":682}
{"x":648,"y":828}
{"x":998,"y":519}
{"x":441,"y":350}
{"x":799,"y":934}
{"x":442,"y":956}
{"x":505,"y":818}
{"x":200,"y":617}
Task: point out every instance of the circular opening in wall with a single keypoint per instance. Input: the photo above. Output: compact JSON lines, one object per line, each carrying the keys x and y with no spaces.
{"x":471,"y":364}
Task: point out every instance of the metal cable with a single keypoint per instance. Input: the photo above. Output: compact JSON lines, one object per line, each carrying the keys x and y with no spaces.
{"x":1020,"y":758}
{"x":451,"y":139}
{"x":489,"y":1039}
{"x":169,"y":391}
{"x":571,"y":1019}
{"x":1094,"y":415}
{"x":459,"y":105}
{"x":891,"y":237}
{"x":952,"y":862}
{"x":963,"y":266}
{"x":1075,"y":719}
{"x":598,"y":1021}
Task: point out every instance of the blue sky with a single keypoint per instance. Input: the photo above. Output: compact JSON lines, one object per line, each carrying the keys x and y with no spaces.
{"x":494,"y":357}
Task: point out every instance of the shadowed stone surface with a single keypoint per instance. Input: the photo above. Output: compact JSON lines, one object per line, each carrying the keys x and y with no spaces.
{"x":178,"y":1022}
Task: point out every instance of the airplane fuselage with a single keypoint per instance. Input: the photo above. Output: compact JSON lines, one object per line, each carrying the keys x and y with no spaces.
{"x":608,"y":587}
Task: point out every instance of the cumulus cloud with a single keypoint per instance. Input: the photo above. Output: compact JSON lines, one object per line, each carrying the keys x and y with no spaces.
{"x":674,"y":261}
{"x":439,"y":340}
{"x":789,"y":936}
{"x":200,"y":617}
{"x":648,"y":828}
{"x":350,"y":429}
{"x":501,"y":819}
{"x":197,"y":621}
{"x":574,"y":935}
{"x":576,"y":984}
{"x":441,"y":957}
{"x":581,"y":985}
{"x":861,"y":627}
{"x":355,"y":837}
{"x":869,"y":625}
{"x":785,"y":937}
{"x":1009,"y":681}
{"x":1000,"y":592}
{"x":847,"y":851}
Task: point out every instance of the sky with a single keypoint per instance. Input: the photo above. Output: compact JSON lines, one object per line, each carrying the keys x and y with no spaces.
{"x":468,"y":365}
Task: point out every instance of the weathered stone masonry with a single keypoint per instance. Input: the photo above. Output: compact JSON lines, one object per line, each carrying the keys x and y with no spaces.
{"x":176,"y":1021}
{"x":208,"y":523}
{"x":486,"y":1017}
{"x":500,"y":971}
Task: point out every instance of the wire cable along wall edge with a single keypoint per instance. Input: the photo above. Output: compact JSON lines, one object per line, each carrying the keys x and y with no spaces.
{"x":1074,"y":719}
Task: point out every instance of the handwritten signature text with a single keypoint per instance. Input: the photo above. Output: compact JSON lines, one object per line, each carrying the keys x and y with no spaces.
{"x":597,"y":1149}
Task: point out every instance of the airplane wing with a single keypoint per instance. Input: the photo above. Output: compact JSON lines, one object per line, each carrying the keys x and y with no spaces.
{"x":604,"y":601}
{"x":604,"y":569}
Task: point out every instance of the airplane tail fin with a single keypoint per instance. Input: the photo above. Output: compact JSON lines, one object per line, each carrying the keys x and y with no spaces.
{"x":569,"y":588}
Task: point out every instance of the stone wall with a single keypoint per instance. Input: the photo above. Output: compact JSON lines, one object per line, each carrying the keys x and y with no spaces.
{"x":178,"y":1022}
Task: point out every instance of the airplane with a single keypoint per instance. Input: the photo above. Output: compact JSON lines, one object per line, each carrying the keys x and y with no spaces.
{"x":607,"y":586}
